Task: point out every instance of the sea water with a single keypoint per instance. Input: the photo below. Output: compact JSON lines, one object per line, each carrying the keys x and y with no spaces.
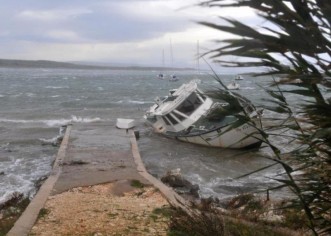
{"x":35,"y":103}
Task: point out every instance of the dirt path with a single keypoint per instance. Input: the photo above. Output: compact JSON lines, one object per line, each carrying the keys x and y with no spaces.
{"x":106,"y":209}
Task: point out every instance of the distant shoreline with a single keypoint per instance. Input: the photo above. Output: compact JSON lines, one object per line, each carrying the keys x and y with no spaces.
{"x":7,"y":63}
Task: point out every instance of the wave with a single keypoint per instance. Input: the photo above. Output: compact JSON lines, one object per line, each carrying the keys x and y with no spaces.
{"x":55,"y":141}
{"x":30,"y":94}
{"x":137,"y":102}
{"x":21,"y":175}
{"x":56,"y":87}
{"x":55,"y":122}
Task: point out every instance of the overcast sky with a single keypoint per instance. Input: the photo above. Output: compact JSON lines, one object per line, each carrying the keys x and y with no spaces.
{"x":116,"y":31}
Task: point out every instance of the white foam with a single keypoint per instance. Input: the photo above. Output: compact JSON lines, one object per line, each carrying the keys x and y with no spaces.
{"x":56,"y":87}
{"x":53,"y":123}
{"x":136,"y":102}
{"x":30,"y":94}
{"x":21,"y":174}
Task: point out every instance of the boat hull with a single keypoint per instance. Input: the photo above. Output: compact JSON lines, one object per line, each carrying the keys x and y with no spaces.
{"x":245,"y":136}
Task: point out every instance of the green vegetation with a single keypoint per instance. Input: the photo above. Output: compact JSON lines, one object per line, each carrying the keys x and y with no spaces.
{"x":240,"y":229}
{"x":164,"y":211}
{"x":211,"y":222}
{"x":11,"y":211}
{"x":196,"y":223}
{"x":294,"y":44}
{"x":137,"y":184}
{"x":160,"y":213}
{"x":43,"y":212}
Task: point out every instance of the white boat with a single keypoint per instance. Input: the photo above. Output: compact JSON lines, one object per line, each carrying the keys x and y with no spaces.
{"x":233,"y":86}
{"x":125,"y":123}
{"x":160,"y":76}
{"x":185,"y":114}
{"x":239,"y":77}
{"x":173,"y":78}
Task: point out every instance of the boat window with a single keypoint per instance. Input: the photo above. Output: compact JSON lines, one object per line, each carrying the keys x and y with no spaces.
{"x":202,"y":96}
{"x":190,"y":104}
{"x":172,"y":119}
{"x":178,"y":116}
{"x":166,"y":121}
{"x":152,"y":119}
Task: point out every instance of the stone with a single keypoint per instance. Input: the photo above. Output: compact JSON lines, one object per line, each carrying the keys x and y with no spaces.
{"x":175,"y":180}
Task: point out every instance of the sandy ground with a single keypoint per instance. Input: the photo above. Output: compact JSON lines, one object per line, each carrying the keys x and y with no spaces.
{"x":105,"y":209}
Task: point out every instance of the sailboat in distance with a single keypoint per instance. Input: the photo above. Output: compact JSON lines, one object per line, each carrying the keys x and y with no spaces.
{"x":173,"y":77}
{"x":161,"y":75}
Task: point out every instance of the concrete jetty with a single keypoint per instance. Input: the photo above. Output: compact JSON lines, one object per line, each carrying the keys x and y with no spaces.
{"x":92,"y":154}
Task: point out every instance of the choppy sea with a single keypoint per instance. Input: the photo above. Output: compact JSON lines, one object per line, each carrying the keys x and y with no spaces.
{"x":35,"y":103}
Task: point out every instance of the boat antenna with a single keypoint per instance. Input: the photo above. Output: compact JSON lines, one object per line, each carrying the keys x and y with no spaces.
{"x":198,"y":57}
{"x":215,"y":76}
{"x":171,"y":55}
{"x":163,"y":58}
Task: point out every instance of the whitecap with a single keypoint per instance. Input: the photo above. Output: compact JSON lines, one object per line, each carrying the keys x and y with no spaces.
{"x":138,"y":102}
{"x":30,"y":94}
{"x":14,"y":121}
{"x":53,"y":122}
{"x":56,"y":87}
{"x":21,"y":174}
{"x":84,"y":119}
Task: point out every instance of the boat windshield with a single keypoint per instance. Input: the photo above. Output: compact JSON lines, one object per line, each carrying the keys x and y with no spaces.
{"x":190,"y":104}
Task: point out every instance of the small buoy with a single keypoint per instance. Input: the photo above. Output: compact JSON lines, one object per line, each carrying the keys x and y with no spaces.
{"x":136,"y":134}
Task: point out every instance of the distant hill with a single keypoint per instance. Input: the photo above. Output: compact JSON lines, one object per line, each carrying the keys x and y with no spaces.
{"x":66,"y":65}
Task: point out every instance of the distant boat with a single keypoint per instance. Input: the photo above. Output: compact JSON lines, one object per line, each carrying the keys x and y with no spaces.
{"x":233,"y":86}
{"x":161,"y":75}
{"x":239,"y":77}
{"x":186,"y":115}
{"x":173,"y":78}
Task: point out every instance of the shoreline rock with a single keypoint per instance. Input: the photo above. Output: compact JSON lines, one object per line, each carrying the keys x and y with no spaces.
{"x":174,"y":179}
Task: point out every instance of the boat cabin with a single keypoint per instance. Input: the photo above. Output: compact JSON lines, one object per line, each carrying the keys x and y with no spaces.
{"x":181,"y":108}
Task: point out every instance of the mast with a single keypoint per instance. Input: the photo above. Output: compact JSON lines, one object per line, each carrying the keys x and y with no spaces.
{"x":198,"y":57}
{"x":171,"y":55}
{"x":163,"y":58}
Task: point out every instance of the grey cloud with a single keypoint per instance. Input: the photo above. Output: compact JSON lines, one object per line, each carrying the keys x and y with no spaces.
{"x":98,"y":24}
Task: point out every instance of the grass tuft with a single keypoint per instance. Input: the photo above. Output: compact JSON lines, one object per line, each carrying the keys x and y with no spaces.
{"x":137,"y":184}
